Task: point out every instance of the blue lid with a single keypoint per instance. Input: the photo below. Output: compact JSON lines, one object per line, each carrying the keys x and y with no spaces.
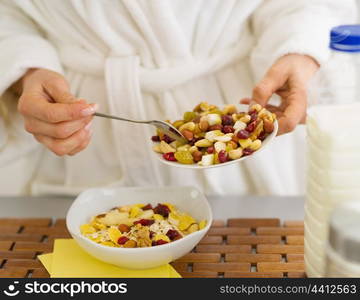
{"x":345,"y":38}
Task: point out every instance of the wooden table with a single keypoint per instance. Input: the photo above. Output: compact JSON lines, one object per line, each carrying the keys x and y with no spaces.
{"x":236,"y":248}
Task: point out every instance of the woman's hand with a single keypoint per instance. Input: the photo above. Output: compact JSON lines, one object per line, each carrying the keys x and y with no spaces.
{"x":288,"y":77}
{"x":52,"y":114}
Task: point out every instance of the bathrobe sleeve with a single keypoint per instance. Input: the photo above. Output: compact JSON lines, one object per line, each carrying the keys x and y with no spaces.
{"x":302,"y":26}
{"x":22,"y":46}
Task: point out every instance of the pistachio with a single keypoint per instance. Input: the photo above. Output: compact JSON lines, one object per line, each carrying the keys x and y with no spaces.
{"x":192,"y":149}
{"x":229,"y":109}
{"x":178,"y":123}
{"x":156,"y":148}
{"x":257,"y":107}
{"x":184,"y":148}
{"x":165,"y":147}
{"x":255,"y":145}
{"x":236,"y":153}
{"x":245,"y":143}
{"x":232,"y":144}
{"x":246,"y":119}
{"x":203,"y":143}
{"x":189,"y":126}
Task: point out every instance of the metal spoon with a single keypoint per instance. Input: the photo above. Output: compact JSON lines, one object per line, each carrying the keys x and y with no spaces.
{"x":166,"y":128}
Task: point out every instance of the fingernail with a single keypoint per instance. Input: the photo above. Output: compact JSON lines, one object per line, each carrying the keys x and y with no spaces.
{"x":89,"y":110}
{"x":88,"y":126}
{"x":82,"y":101}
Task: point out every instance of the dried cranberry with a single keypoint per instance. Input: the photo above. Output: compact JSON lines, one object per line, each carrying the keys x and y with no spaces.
{"x":227,"y":120}
{"x":173,"y":234}
{"x":210,"y":149}
{"x":170,"y":156}
{"x":215,"y":127}
{"x":252,"y":111}
{"x":262,"y":136}
{"x":160,"y":242}
{"x":167,"y":139}
{"x":223,"y":156}
{"x":228,"y":129}
{"x":144,"y":222}
{"x":253,"y":116}
{"x":194,"y":140}
{"x":155,"y":138}
{"x":162,"y":210}
{"x":147,"y":207}
{"x":151,"y":234}
{"x":247,"y":151}
{"x":122,"y":240}
{"x":243,"y":134}
{"x":251,"y":126}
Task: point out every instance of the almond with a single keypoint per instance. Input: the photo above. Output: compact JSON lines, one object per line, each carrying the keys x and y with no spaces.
{"x":203,"y":125}
{"x":187,"y":134}
{"x":123,"y":228}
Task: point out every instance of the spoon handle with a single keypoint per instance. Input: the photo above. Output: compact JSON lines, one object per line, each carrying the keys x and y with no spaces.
{"x":119,"y":118}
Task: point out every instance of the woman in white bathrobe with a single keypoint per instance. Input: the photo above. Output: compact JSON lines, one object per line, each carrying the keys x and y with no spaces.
{"x":150,"y":59}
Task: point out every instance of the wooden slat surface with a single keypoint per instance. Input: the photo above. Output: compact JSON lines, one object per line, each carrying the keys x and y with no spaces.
{"x":281,"y":249}
{"x":282,"y":231}
{"x":223,"y":249}
{"x":221,"y":267}
{"x":253,"y":274}
{"x":253,"y":240}
{"x":294,"y":257}
{"x":233,"y":248}
{"x":280,"y":267}
{"x":211,"y":240}
{"x":295,"y":239}
{"x":253,"y":223}
{"x":252,"y":258}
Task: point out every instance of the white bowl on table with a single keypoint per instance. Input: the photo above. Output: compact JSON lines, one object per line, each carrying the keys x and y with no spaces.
{"x":95,"y":201}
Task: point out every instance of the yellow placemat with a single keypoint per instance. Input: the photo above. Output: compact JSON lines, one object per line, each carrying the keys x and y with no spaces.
{"x":69,"y":260}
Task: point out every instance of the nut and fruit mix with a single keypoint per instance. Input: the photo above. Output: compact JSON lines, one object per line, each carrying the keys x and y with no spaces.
{"x":140,"y":225}
{"x":215,"y":136}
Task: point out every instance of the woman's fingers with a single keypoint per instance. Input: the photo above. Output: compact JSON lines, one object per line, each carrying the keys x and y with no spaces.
{"x":63,"y":147}
{"x":81,"y":147}
{"x":294,"y":111}
{"x":60,"y":130}
{"x":245,"y":101}
{"x":37,"y":106}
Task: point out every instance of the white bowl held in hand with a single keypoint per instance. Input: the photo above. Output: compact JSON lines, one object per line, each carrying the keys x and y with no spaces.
{"x":265,"y":143}
{"x":96,"y":201}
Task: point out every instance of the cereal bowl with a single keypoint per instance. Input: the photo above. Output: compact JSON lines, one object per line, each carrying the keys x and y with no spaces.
{"x":161,"y":146}
{"x":95,"y":201}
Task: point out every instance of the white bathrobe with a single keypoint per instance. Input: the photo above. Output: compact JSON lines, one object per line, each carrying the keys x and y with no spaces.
{"x":153,"y":59}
